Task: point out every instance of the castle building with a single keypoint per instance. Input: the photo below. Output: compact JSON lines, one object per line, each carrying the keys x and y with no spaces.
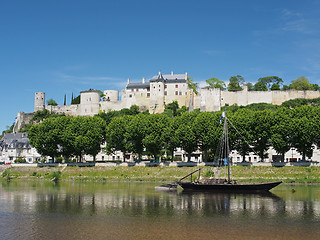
{"x":161,"y":90}
{"x":152,"y":95}
{"x":156,"y":93}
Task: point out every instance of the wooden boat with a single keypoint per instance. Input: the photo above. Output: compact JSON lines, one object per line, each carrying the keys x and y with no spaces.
{"x":224,"y":185}
{"x":228,"y":187}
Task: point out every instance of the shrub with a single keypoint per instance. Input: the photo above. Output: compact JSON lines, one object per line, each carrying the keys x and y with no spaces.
{"x":59,"y":159}
{"x":20,"y":160}
{"x":55,"y":176}
{"x":6,"y":174}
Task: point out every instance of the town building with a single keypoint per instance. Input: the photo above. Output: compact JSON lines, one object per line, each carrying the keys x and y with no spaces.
{"x":15,"y":146}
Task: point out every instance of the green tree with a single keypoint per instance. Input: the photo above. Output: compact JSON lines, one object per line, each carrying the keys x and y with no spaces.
{"x":154,"y":139}
{"x":304,"y":130}
{"x":275,"y":87}
{"x":185,"y":134}
{"x":134,"y":109}
{"x":52,"y":102}
{"x":171,"y":109}
{"x":293,"y":103}
{"x":260,"y":86}
{"x":315,"y":87}
{"x":135,"y":133}
{"x":242,"y":136}
{"x":301,"y":83}
{"x":45,"y":137}
{"x":269,"y":81}
{"x":285,"y":87}
{"x":171,"y":142}
{"x":116,"y":132}
{"x":281,"y":137}
{"x":236,"y":83}
{"x":261,"y":122}
{"x":75,"y":100}
{"x":83,"y":135}
{"x":207,"y":131}
{"x":192,"y":85}
{"x":216,"y":83}
{"x":250,"y":86}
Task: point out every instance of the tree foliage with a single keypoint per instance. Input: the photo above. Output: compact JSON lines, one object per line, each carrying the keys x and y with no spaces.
{"x":301,"y":83}
{"x":236,"y":83}
{"x":52,"y":102}
{"x":216,"y":83}
{"x":294,"y":124}
{"x":192,"y":85}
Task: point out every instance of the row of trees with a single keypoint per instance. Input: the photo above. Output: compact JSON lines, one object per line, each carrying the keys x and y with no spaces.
{"x":263,"y":84}
{"x":127,"y":131}
{"x":68,"y":136}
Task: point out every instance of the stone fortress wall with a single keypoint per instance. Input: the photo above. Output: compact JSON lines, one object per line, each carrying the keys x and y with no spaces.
{"x":154,"y":94}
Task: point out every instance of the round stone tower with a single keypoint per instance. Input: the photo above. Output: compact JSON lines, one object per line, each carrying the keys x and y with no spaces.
{"x":39,"y":101}
{"x":89,"y":102}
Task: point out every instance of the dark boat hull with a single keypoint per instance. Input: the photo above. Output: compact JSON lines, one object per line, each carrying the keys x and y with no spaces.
{"x":245,"y":188}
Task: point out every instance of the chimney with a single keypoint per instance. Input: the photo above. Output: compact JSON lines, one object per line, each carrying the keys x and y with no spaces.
{"x":128,"y":80}
{"x":143,"y":80}
{"x":171,"y":73}
{"x":186,"y":77}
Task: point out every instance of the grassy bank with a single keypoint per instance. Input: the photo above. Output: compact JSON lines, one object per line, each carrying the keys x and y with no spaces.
{"x":166,"y":174}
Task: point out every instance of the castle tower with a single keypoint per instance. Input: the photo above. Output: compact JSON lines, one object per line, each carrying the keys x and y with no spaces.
{"x":39,"y":101}
{"x":89,"y":102}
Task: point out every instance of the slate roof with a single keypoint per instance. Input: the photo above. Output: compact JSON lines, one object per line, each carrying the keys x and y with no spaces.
{"x":138,"y":85}
{"x":167,"y":78}
{"x":170,"y":78}
{"x":14,"y":140}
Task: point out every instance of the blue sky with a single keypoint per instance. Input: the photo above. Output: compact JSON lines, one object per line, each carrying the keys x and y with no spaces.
{"x":64,"y":47}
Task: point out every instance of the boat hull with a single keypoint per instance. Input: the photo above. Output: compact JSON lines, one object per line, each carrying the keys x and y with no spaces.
{"x":246,"y":188}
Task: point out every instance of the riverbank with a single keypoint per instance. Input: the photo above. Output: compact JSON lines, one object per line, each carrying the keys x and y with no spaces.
{"x":159,"y":174}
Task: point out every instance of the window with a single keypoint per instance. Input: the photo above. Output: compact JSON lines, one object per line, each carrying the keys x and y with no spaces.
{"x":176,"y":85}
{"x":130,"y":96}
{"x":148,"y":94}
{"x":148,"y":89}
{"x":137,"y":90}
{"x":165,"y":86}
{"x":176,"y":93}
{"x":180,"y":93}
{"x":132,"y":90}
{"x":165,"y":93}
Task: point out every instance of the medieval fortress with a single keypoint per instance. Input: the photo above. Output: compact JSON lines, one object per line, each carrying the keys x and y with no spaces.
{"x":160,"y":90}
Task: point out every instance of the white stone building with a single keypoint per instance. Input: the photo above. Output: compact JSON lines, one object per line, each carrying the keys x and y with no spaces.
{"x":160,"y":90}
{"x":15,"y":146}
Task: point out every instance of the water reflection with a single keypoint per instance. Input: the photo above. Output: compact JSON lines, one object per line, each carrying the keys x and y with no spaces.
{"x":120,"y":204}
{"x":142,"y":200}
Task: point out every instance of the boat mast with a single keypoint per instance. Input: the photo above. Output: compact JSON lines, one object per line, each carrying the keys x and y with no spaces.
{"x":226,"y":140}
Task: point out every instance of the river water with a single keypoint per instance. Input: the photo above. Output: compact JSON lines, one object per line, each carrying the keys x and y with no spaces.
{"x":38,"y":210}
